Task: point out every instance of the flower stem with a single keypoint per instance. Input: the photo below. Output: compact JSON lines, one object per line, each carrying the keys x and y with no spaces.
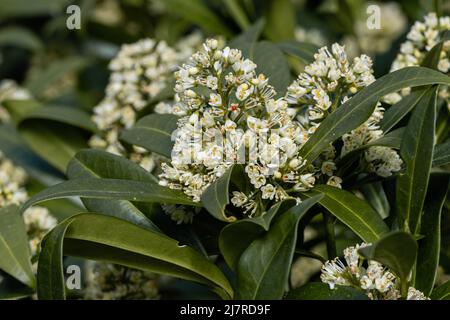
{"x":329,"y":235}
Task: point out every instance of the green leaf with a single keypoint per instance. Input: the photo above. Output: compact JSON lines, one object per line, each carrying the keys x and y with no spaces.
{"x":321,"y":291}
{"x":216,"y":197}
{"x":153,"y":132}
{"x":281,"y":20}
{"x":358,"y":109}
{"x":11,"y":289}
{"x":93,"y":163}
{"x":14,"y":249}
{"x":123,"y":243}
{"x":114,"y":189}
{"x":433,"y":56}
{"x":263,"y":268}
{"x":71,"y":116}
{"x":302,"y":50}
{"x":19,"y":8}
{"x":273,"y":64}
{"x":430,"y":244}
{"x":236,"y":237}
{"x":51,"y":282}
{"x":102,"y":164}
{"x":197,"y":12}
{"x":54,"y":133}
{"x":417,"y":153}
{"x":441,"y":154}
{"x":375,"y":195}
{"x":355,"y":213}
{"x":396,"y":250}
{"x":442,"y":292}
{"x":20,"y":37}
{"x":18,"y":109}
{"x":41,"y":80}
{"x":16,"y":149}
{"x":398,"y":111}
{"x":55,"y":142}
{"x":237,"y":12}
{"x":246,"y":40}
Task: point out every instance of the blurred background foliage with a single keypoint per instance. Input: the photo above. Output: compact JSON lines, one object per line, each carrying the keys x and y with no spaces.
{"x":59,"y":65}
{"x":69,"y":68}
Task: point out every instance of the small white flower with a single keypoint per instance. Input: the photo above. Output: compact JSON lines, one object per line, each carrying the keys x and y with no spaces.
{"x":268,"y":191}
{"x":239,"y":199}
{"x":215,"y":100}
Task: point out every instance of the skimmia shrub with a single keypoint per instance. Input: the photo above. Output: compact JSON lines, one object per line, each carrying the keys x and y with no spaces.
{"x":255,"y":165}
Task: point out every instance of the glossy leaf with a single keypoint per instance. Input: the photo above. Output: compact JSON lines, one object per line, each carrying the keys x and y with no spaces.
{"x":246,"y":40}
{"x":433,"y":56}
{"x":102,"y":164}
{"x":441,"y":154}
{"x":304,"y":51}
{"x":237,"y":12}
{"x":51,"y":282}
{"x":281,"y":20}
{"x":71,"y":116}
{"x":153,"y":132}
{"x":14,"y":250}
{"x":355,"y":213}
{"x":197,"y":12}
{"x":126,"y":244}
{"x":20,"y":37}
{"x":57,"y":143}
{"x":54,"y":133}
{"x":375,"y":195}
{"x":398,"y":111}
{"x":417,"y":153}
{"x":16,"y":149}
{"x":430,"y":245}
{"x":263,"y":268}
{"x":12,"y":289}
{"x":114,"y":189}
{"x":16,"y":8}
{"x":397,"y":251}
{"x":236,"y":237}
{"x":321,"y":291}
{"x":216,"y":197}
{"x":359,"y":108}
{"x":442,"y":292}
{"x":271,"y":61}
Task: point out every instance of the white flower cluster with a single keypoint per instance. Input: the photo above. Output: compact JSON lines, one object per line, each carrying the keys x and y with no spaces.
{"x":380,"y":160}
{"x":12,"y":181}
{"x":375,"y":279}
{"x":371,"y":38}
{"x":113,"y":282}
{"x":326,"y":83}
{"x":422,"y":37}
{"x":9,"y":90}
{"x":229,"y":115}
{"x":38,"y":220}
{"x":139,"y":73}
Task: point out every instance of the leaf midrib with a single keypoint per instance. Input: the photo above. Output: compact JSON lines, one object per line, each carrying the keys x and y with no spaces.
{"x":355,"y":215}
{"x":414,"y":161}
{"x":359,"y":106}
